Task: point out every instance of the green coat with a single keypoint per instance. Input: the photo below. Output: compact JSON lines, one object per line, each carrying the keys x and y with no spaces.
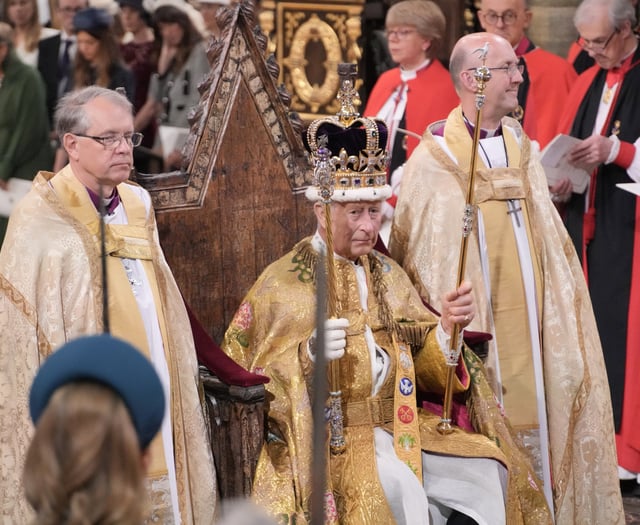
{"x":25,"y":147}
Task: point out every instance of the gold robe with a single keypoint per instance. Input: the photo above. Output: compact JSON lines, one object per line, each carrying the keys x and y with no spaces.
{"x":425,"y":239}
{"x":269,"y":335}
{"x":50,"y":292}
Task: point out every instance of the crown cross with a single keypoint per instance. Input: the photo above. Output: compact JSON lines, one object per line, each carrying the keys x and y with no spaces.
{"x":347,"y":94}
{"x":373,"y":160}
{"x":347,"y":150}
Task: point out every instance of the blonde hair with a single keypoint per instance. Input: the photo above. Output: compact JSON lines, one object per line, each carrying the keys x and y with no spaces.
{"x":84,"y":464}
{"x":425,"y":16}
{"x":34,"y":28}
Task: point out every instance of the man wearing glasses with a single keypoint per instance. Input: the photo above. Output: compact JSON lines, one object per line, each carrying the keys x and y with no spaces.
{"x":603,"y":222}
{"x":56,"y":53}
{"x":545,"y":359}
{"x":52,"y":290}
{"x":547,"y":78}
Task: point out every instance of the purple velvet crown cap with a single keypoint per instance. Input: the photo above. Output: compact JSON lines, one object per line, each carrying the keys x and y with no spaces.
{"x":352,"y":139}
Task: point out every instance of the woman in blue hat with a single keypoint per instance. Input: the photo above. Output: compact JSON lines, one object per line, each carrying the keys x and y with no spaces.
{"x":98,"y":61}
{"x":97,"y":403}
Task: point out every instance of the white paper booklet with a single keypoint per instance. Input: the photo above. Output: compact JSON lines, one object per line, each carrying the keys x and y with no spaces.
{"x":16,"y":189}
{"x":172,"y":138}
{"x":631,"y":187}
{"x":557,"y":167}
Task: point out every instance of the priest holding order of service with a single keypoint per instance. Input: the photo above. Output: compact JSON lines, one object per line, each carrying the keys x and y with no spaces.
{"x":603,"y":220}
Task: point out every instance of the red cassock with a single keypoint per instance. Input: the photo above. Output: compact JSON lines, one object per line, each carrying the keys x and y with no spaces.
{"x":550,"y":80}
{"x":611,"y":258}
{"x":430,"y":97}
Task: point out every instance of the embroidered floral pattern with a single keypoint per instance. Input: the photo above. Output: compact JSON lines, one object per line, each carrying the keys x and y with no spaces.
{"x":407,"y":441}
{"x":302,"y":268}
{"x":330,"y":509}
{"x":243,"y":317}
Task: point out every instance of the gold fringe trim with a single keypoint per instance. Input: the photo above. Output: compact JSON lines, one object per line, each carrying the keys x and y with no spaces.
{"x":306,"y":260}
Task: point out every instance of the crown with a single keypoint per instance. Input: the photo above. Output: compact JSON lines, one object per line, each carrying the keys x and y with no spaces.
{"x":348,"y":151}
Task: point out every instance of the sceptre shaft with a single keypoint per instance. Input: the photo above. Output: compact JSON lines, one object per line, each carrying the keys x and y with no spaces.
{"x":482,"y":75}
{"x":324,"y":173}
{"x":102,"y":211}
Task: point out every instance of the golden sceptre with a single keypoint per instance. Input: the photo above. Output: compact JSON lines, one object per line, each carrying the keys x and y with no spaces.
{"x":324,"y":175}
{"x":324,"y":171}
{"x":482,"y":75}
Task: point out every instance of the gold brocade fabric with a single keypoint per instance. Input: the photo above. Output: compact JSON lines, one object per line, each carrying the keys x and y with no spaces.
{"x":493,"y":188}
{"x":53,"y":295}
{"x":425,"y":239}
{"x":125,"y":319}
{"x":269,"y":334}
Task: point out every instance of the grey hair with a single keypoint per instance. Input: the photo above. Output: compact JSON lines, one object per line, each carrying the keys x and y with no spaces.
{"x":620,"y":11}
{"x":71,"y":116}
{"x":6,"y":34}
{"x":425,"y":16}
{"x":525,"y":4}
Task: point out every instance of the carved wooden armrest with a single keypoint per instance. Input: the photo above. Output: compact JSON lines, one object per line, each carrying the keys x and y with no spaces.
{"x":236,"y":422}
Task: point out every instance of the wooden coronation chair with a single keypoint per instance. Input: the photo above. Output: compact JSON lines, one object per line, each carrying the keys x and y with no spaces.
{"x":235,"y":206}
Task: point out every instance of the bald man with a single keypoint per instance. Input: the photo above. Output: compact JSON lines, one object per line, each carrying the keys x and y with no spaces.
{"x":545,"y":359}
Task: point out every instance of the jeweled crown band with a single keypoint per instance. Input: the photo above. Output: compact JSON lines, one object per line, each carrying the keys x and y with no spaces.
{"x":348,"y":153}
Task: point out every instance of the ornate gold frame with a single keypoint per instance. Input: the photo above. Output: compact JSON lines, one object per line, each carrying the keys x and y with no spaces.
{"x":312,"y":35}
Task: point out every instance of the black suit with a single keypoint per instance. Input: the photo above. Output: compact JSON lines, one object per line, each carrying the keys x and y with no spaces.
{"x":48,"y":65}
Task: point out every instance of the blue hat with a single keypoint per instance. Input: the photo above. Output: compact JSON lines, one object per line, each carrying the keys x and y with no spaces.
{"x":93,"y":21}
{"x":112,"y":362}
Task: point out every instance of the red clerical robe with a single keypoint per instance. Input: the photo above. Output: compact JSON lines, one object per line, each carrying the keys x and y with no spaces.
{"x":544,"y":92}
{"x":431,"y":96}
{"x":611,"y":258}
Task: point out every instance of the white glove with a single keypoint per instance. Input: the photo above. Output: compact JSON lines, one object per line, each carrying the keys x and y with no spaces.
{"x":335,"y":338}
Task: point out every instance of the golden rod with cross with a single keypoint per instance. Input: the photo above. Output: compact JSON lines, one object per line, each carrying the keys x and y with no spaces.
{"x":482,"y":75}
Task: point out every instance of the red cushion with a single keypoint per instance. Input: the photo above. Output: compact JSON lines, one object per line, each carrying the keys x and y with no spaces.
{"x":217,"y":362}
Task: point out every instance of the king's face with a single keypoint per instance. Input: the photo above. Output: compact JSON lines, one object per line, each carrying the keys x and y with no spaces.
{"x":355,"y":227}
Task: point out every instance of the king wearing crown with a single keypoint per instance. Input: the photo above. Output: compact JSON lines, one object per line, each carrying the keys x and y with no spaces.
{"x":388,"y":352}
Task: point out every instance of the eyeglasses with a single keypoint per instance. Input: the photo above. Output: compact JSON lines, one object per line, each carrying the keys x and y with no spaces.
{"x":69,"y":10}
{"x":508,"y":17}
{"x":509,"y":69}
{"x":597,"y":45}
{"x":113,"y":141}
{"x":400,"y":34}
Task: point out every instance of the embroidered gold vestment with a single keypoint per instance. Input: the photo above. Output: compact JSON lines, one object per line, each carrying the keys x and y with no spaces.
{"x":50,"y":292}
{"x":425,"y":239}
{"x":269,"y":335}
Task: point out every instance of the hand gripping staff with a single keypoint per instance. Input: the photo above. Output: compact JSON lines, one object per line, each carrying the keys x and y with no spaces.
{"x":324,"y":180}
{"x":482,"y":75}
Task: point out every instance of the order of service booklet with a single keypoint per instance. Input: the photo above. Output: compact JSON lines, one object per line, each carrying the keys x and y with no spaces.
{"x":16,"y":189}
{"x":631,"y":187}
{"x":554,"y":159}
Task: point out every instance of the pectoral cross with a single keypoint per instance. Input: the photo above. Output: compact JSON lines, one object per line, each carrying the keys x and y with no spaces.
{"x":514,"y":209}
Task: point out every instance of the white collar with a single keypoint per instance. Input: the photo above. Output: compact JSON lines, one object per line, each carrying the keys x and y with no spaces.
{"x":410,"y":74}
